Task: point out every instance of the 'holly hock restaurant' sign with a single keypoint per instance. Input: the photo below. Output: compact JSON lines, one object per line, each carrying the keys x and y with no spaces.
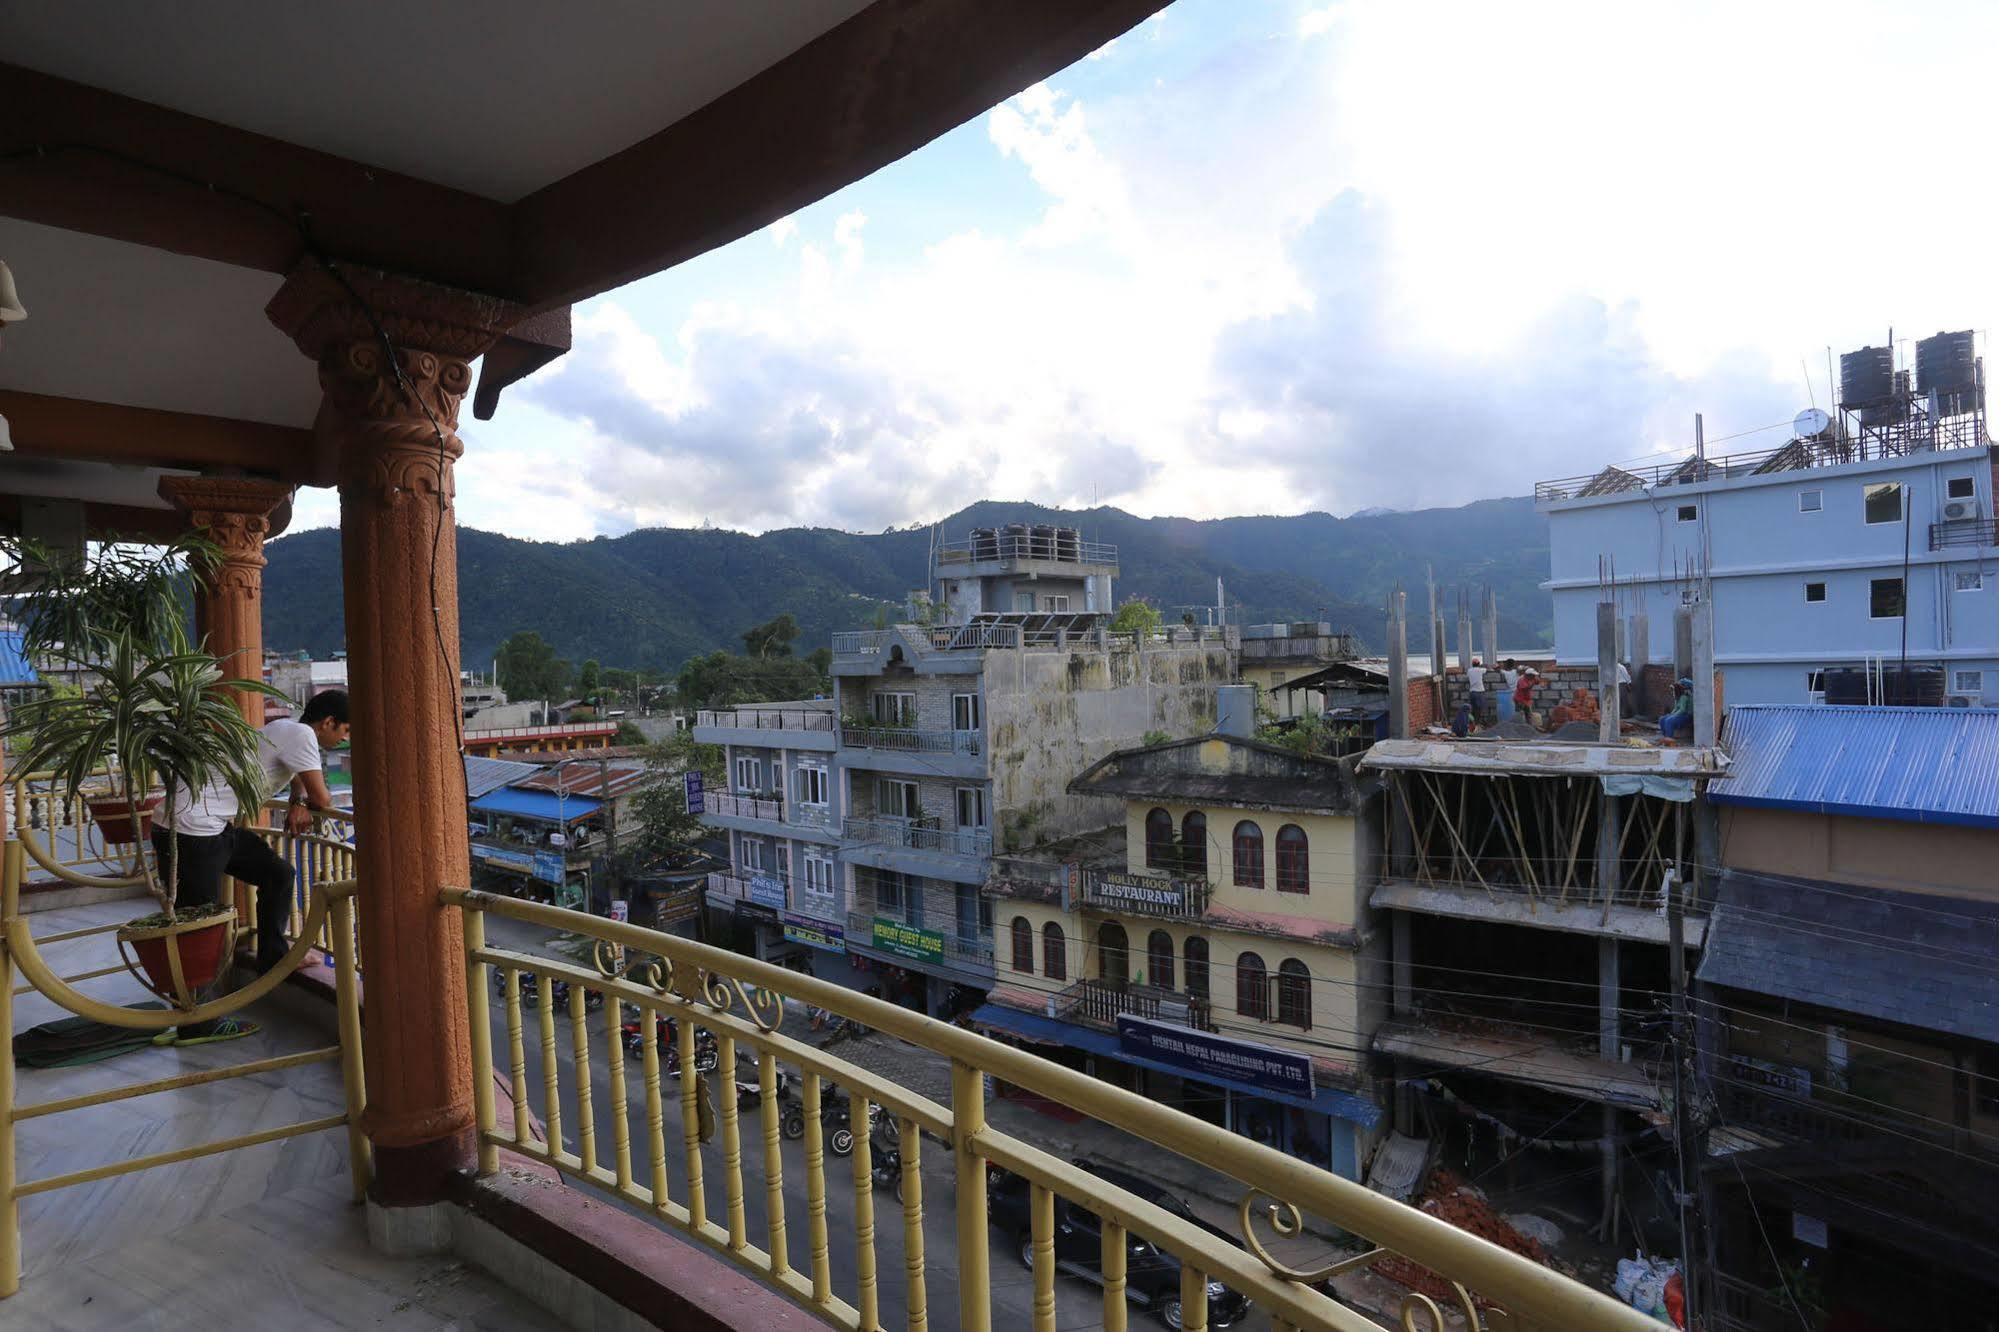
{"x":1216,"y":1058}
{"x":1141,"y":894}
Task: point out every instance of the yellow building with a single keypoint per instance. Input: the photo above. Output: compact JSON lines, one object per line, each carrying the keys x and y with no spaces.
{"x":1204,"y":952}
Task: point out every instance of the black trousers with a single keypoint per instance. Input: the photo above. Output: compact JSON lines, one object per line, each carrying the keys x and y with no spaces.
{"x":233,"y":853}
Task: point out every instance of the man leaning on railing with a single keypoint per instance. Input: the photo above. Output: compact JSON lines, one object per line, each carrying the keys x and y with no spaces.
{"x":210,"y":846}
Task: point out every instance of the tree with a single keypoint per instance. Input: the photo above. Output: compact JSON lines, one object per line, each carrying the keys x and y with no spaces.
{"x":587,"y":681}
{"x":628,"y":734}
{"x":1136,"y":616}
{"x":723,"y":679}
{"x":820,"y":659}
{"x":528,"y":668}
{"x":664,"y":828}
{"x":773,"y":638}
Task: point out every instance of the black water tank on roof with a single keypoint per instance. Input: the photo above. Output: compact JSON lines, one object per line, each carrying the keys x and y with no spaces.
{"x":1947,"y":365}
{"x":1866,"y":376}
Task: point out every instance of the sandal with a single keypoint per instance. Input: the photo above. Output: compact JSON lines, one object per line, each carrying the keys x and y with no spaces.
{"x":225,"y":1029}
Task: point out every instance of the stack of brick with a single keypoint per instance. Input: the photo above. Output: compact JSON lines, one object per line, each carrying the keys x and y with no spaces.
{"x":1449,"y":1198}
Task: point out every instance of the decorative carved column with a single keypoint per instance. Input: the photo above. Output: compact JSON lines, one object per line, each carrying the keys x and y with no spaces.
{"x":396,"y":442}
{"x":235,"y":514}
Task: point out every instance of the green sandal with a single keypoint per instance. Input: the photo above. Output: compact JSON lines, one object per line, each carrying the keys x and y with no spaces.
{"x":225,"y":1029}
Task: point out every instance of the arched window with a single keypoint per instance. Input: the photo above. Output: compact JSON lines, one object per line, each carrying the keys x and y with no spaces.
{"x":1294,"y":860}
{"x":1054,"y":952}
{"x":1194,"y":844}
{"x":1113,"y":954}
{"x":1248,"y":855}
{"x":1294,"y":994}
{"x":1159,"y":840}
{"x":1159,"y":959}
{"x":1196,"y":955}
{"x":1023,"y":946}
{"x":1252,"y":988}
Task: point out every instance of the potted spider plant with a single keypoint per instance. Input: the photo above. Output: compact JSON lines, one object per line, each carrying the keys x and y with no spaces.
{"x":157,"y":718}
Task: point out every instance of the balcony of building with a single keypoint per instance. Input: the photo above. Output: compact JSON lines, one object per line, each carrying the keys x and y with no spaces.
{"x":917,"y":846}
{"x":915,"y":753}
{"x":957,"y":649}
{"x":809,"y":725}
{"x":1025,"y":548}
{"x":769,"y":813}
{"x":1100,"y":1003}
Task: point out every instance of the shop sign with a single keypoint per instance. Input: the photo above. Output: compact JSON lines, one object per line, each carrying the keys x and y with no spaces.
{"x":814,"y":933}
{"x":1137,"y":893}
{"x":1789,"y":1079}
{"x":910,"y":941}
{"x":768,"y":890}
{"x":521,"y":862}
{"x":757,"y":911}
{"x":1216,"y":1058}
{"x":678,"y":905}
{"x":691,"y":781}
{"x":550,"y":867}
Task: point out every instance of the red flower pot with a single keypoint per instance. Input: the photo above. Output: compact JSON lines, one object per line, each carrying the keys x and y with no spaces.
{"x":114,"y":819}
{"x":203,"y":944}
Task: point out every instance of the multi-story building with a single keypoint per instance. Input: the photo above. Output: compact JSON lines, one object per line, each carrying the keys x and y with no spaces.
{"x":1205,"y":950}
{"x":863,"y":826}
{"x":1869,"y":538}
{"x":1274,"y":655}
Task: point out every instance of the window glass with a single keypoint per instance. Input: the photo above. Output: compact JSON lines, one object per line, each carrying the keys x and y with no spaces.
{"x":964,"y":712}
{"x":1159,"y":849}
{"x":1159,"y":959}
{"x":1961,"y":487}
{"x":894,"y":709}
{"x":1811,"y":501}
{"x":1248,"y":848}
{"x":1294,"y":994}
{"x":1969,"y":580}
{"x":1054,"y":952}
{"x":1967,"y":682}
{"x":1690,"y":513}
{"x":1023,"y":946}
{"x":1814,"y":591}
{"x":1884,"y":598}
{"x":1294,"y":860}
{"x":1194,"y":844}
{"x":1883,"y":502}
{"x":1252,"y":987}
{"x":1195,"y":955}
{"x":1113,"y":954}
{"x":971,"y":807}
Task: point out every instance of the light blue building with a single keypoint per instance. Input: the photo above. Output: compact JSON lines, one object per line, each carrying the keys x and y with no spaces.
{"x":1867,"y":541}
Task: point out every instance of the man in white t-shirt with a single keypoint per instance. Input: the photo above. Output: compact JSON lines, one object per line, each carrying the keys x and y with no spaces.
{"x":210,"y":847}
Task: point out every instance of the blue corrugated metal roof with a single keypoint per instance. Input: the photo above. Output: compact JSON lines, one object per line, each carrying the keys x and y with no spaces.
{"x":14,"y":667}
{"x":1921,"y":765}
{"x":537,"y":805}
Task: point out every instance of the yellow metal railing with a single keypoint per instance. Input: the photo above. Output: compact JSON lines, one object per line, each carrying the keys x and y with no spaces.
{"x":328,"y":915}
{"x":737,"y":999}
{"x":68,"y":839}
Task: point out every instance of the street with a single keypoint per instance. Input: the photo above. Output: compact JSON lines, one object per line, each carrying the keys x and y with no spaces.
{"x":1078,"y":1303}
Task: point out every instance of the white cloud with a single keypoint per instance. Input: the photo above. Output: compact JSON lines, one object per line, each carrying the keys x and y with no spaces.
{"x":847,"y":238}
{"x":782,"y":230}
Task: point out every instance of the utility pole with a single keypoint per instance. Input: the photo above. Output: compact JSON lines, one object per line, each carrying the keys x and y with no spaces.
{"x":1687,"y":1138}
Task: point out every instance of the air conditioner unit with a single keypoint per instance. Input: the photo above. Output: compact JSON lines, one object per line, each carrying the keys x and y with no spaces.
{"x":1962,"y":701}
{"x":1957,"y":510}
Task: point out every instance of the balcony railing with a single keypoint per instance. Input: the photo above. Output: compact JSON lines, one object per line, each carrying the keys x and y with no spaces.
{"x":1098,"y":1003}
{"x":866,"y":643}
{"x":908,"y":835}
{"x":899,"y":740}
{"x":729,"y":886}
{"x":735,"y":806}
{"x":1964,"y":532}
{"x":660,"y":1171}
{"x":767,"y":719}
{"x":1060,"y":546}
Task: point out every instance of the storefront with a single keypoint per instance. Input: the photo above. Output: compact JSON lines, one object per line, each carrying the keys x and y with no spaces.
{"x":1260,"y":1091}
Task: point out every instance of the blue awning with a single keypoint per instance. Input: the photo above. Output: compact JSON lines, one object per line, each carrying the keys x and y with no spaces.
{"x":1054,"y":1031}
{"x":543,"y":805}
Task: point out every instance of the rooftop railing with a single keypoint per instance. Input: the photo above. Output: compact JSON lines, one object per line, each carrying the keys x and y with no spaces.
{"x":660,"y":1171}
{"x":768,"y":719}
{"x":1063,"y":547}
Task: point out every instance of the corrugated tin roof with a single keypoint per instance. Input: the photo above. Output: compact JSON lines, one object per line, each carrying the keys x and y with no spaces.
{"x":1917,"y":959}
{"x":583,"y":775}
{"x":1922,"y":765}
{"x":14,"y":667}
{"x":486,"y":774}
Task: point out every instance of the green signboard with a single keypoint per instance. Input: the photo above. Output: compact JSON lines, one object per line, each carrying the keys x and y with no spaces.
{"x":892,"y":936}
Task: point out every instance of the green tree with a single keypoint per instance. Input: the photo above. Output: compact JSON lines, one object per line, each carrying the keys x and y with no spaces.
{"x":529,"y":669}
{"x":588,"y":681}
{"x":1136,"y":616}
{"x":820,"y":659}
{"x":628,"y":734}
{"x":773,"y":638}
{"x":723,"y":679}
{"x":664,"y":830}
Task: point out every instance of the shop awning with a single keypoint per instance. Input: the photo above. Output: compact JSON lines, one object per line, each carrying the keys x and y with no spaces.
{"x":1054,"y":1031}
{"x":543,"y":805}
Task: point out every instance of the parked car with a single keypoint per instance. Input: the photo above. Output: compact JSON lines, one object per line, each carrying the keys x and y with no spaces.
{"x":1152,"y":1276}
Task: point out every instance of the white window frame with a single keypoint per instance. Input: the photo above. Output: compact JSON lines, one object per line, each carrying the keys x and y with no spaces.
{"x":1020,"y":596}
{"x":749,"y":774}
{"x":817,"y":885}
{"x":1816,"y":498}
{"x":1957,"y":685}
{"x":893,"y":707}
{"x":1688,"y":513}
{"x":1059,"y":604}
{"x":1815,"y":686}
{"x":1870,"y":598}
{"x":750,"y":853}
{"x":889,"y":802}
{"x":965,"y":709}
{"x":1967,"y":580}
{"x":1950,"y":485}
{"x":972,"y":800}
{"x":814,"y":786}
{"x":1901,"y":509}
{"x":1820,"y":599}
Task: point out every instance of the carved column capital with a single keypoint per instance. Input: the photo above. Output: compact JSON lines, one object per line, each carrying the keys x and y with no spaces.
{"x":394,"y":422}
{"x":234,"y":512}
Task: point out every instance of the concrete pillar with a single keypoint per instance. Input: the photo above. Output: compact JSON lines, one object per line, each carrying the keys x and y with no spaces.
{"x":1398,"y":665}
{"x":234,"y":513}
{"x":1641,"y":656}
{"x":1609,"y":1038}
{"x":1465,"y":652}
{"x":1606,"y":672}
{"x":1403,"y":966}
{"x":1609,"y":834}
{"x":393,"y":428}
{"x":1703,"y":674}
{"x":1683,"y":641}
{"x":1491,"y":629}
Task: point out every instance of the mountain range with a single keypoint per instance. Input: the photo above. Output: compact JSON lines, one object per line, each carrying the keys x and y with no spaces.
{"x":655,"y":597}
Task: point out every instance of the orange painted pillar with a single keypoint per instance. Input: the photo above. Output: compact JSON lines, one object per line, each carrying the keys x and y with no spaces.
{"x":235,"y":514}
{"x":393,"y":427}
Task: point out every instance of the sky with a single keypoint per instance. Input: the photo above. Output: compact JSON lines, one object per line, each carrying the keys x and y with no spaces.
{"x":1258,"y":256}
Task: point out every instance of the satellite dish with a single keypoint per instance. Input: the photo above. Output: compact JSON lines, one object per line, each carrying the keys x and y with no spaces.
{"x":1810,"y":423}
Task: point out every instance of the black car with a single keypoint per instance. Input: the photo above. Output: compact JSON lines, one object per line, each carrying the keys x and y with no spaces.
{"x":1152,"y":1276}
